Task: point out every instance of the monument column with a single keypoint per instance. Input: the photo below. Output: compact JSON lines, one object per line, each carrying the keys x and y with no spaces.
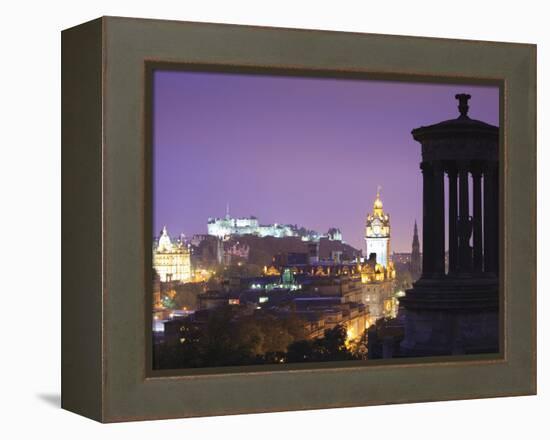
{"x":438,"y":230}
{"x":489,"y":218}
{"x":464,"y":265}
{"x":427,"y":220}
{"x":477,"y":228}
{"x":496,"y":205}
{"x":453,"y":220}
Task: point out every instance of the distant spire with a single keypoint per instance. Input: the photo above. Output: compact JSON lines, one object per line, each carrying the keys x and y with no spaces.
{"x":415,"y":235}
{"x":227,"y":209}
{"x":415,"y":265}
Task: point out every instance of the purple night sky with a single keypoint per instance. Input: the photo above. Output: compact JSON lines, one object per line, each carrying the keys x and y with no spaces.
{"x":305,"y":151}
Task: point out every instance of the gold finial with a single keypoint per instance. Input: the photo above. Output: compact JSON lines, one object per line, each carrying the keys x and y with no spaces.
{"x":377,"y":202}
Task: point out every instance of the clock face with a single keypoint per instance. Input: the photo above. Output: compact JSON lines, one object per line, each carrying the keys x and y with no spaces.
{"x":376,"y":229}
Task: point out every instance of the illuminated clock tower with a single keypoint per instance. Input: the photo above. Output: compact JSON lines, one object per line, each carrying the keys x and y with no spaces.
{"x":377,"y":233}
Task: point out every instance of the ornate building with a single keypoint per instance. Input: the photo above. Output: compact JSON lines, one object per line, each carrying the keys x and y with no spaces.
{"x":378,"y":272}
{"x":228,"y":226}
{"x":377,"y":233}
{"x":171,"y":261}
{"x":334,"y":234}
{"x":415,"y":266}
{"x":378,"y":287}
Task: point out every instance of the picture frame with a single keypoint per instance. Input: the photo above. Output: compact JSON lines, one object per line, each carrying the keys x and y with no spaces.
{"x":106,"y":220}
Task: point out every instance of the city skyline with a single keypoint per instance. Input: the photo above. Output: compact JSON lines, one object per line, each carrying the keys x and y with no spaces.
{"x":292,"y":150}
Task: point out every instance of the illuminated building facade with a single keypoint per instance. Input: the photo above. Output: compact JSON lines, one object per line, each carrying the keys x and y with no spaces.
{"x":377,"y":233}
{"x":228,"y":226}
{"x":378,"y":288}
{"x":334,"y":234}
{"x":367,"y":283}
{"x":237,"y":250}
{"x":171,"y":261}
{"x":232,"y":226}
{"x":378,"y":273}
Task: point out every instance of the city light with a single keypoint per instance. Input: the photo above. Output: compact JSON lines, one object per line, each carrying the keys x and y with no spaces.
{"x":241,"y":291}
{"x":344,"y":295}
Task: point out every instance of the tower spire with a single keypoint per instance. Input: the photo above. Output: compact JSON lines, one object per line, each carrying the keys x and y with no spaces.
{"x":415,"y":266}
{"x":227,"y":209}
{"x":416,"y":242}
{"x":377,"y":232}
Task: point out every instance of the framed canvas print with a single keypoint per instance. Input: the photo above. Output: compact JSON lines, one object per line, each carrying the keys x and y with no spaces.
{"x":262,"y":219}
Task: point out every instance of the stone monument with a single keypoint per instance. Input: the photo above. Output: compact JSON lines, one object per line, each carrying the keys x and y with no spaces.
{"x":455,"y":311}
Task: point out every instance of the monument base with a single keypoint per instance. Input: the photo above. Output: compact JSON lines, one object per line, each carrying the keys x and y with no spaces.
{"x":451,"y":316}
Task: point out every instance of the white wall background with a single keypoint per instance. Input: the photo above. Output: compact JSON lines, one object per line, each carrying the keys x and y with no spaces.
{"x":30,"y":217}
